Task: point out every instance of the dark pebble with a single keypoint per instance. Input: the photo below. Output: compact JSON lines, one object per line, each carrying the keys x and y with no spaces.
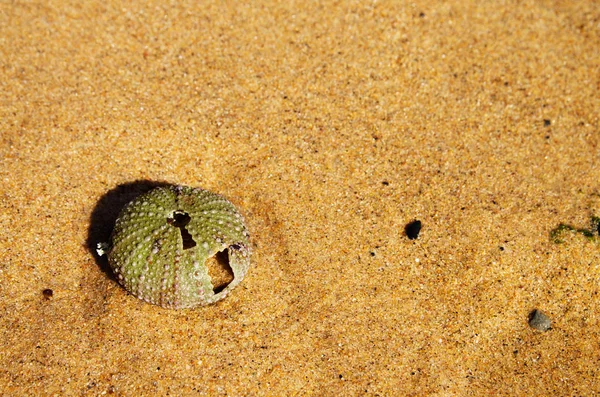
{"x":47,"y":293}
{"x":412,"y":229}
{"x":539,"y":320}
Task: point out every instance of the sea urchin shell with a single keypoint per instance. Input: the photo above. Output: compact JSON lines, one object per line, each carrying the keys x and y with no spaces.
{"x":163,"y":238}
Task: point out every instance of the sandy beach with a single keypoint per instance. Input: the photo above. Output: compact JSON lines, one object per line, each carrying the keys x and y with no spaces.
{"x":331,"y":126}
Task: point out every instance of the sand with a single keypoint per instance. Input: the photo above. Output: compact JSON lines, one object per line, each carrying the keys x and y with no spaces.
{"x":331,"y":126}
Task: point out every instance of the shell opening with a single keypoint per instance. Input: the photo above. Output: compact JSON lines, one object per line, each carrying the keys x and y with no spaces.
{"x":180,"y":219}
{"x":219,"y":271}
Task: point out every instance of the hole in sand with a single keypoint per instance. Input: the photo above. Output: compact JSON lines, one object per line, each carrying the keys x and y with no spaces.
{"x":180,"y":219}
{"x":219,"y":271}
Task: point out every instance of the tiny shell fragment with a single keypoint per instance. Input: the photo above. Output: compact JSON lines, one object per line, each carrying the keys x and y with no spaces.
{"x":163,"y":238}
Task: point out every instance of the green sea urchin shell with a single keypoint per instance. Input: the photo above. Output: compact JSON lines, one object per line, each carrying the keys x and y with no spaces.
{"x":163,"y":238}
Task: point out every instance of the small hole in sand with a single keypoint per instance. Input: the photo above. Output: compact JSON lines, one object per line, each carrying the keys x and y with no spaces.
{"x":219,"y":271}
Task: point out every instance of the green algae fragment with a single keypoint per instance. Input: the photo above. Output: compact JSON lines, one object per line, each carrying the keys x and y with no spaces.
{"x":556,"y":235}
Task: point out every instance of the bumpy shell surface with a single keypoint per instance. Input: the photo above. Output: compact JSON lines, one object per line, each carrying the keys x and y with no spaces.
{"x":163,"y":238}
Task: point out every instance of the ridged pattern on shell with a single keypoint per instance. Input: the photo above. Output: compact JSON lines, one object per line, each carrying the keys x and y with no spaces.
{"x":148,"y":255}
